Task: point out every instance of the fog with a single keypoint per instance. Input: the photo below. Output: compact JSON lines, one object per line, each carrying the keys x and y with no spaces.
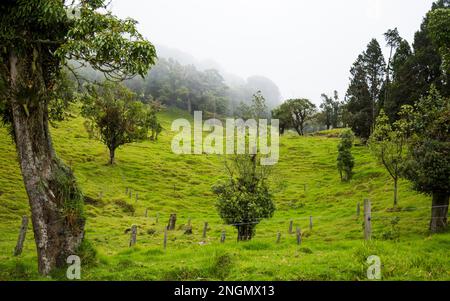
{"x":305,"y":47}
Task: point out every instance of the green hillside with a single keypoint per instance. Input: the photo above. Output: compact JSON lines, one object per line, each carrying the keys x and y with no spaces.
{"x":305,"y":181}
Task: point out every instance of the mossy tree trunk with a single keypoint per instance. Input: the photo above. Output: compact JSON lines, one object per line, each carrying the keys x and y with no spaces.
{"x":112,"y":155}
{"x":54,"y":197}
{"x":395,"y":192}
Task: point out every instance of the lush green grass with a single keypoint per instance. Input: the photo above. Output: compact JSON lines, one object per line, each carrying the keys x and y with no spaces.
{"x":167,"y":183}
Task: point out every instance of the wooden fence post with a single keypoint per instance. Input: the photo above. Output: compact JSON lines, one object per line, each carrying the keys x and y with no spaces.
{"x":358,"y":209}
{"x":137,"y":196}
{"x":278,"y":237}
{"x":172,"y":221}
{"x":367,"y":220}
{"x":310,"y":222}
{"x":130,"y":193}
{"x":299,"y":236}
{"x":291,"y":225}
{"x":205,"y":228}
{"x":133,"y":235}
{"x":22,"y":233}
{"x":165,"y":238}
{"x":222,"y":237}
{"x":146,"y":211}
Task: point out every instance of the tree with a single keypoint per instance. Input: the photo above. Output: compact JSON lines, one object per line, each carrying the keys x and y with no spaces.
{"x":415,"y":70}
{"x":358,"y":107}
{"x":388,"y":144}
{"x":327,"y":109}
{"x":38,"y":38}
{"x":114,"y":116}
{"x":301,"y":111}
{"x":331,"y":110}
{"x":438,"y":27}
{"x":337,"y":110}
{"x":256,"y":110}
{"x":284,"y":115}
{"x":428,"y":163}
{"x":426,"y":62}
{"x":345,"y":160}
{"x":244,"y":111}
{"x":364,"y":91}
{"x":401,"y":87}
{"x":374,"y":66}
{"x":259,"y":107}
{"x":245,"y":199}
{"x":393,"y":41}
{"x":151,"y":119}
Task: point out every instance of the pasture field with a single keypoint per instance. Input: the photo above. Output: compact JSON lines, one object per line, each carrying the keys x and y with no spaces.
{"x":305,"y":183}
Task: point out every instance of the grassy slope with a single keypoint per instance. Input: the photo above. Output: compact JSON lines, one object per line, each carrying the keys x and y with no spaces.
{"x":168,"y":183}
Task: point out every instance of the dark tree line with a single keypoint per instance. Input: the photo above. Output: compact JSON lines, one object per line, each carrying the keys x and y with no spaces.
{"x":404,"y":79}
{"x":412,"y":133}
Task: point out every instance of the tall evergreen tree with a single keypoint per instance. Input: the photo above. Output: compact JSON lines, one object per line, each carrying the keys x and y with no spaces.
{"x":415,"y":70}
{"x":358,"y":113}
{"x":393,"y":41}
{"x":426,"y":62}
{"x":374,"y":66}
{"x":401,"y":87}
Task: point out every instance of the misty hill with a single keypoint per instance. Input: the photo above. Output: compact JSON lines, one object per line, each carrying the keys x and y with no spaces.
{"x":241,"y":89}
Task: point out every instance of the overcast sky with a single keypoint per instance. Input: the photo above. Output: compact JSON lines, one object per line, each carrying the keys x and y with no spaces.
{"x":305,"y":47}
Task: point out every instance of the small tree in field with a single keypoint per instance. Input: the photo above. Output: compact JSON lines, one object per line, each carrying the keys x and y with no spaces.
{"x":388,"y":144}
{"x":151,"y":119}
{"x":114,"y":116}
{"x":345,"y":161}
{"x":244,"y":199}
{"x":284,"y":115}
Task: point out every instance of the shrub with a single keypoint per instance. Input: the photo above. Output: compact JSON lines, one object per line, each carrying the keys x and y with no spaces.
{"x":345,"y":160}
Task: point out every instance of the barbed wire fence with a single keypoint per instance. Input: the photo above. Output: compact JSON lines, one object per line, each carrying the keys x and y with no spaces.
{"x":210,"y":230}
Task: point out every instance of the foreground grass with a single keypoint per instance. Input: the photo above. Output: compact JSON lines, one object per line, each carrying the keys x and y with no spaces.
{"x":305,"y":182}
